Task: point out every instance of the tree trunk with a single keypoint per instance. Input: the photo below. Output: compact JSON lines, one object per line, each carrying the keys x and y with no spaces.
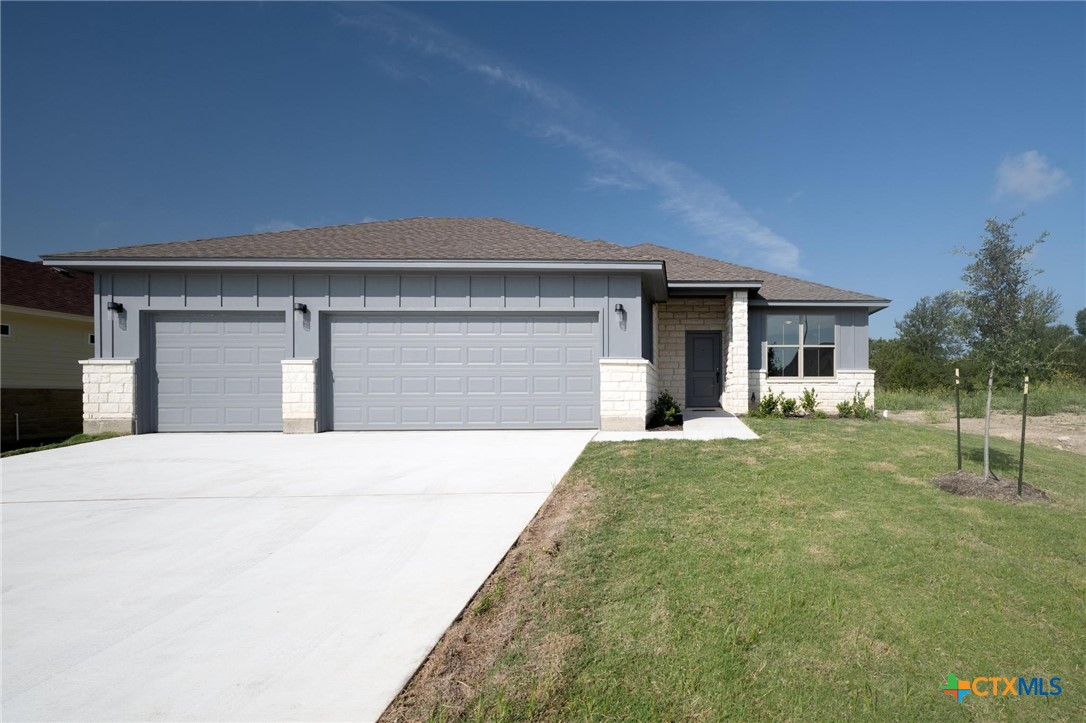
{"x":988,"y":425}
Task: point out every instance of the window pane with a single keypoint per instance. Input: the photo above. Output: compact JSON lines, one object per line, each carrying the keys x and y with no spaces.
{"x":817,"y":362}
{"x":818,"y":330}
{"x":783,"y":361}
{"x":782,"y":329}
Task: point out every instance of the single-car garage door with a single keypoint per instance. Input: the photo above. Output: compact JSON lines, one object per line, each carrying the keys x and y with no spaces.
{"x":457,"y":371}
{"x":219,"y":372}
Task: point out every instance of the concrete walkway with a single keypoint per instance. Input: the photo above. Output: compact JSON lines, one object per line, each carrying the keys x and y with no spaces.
{"x":251,"y":577}
{"x":703,"y":425}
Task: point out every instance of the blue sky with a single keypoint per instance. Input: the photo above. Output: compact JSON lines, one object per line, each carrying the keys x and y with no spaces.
{"x":852,"y":144}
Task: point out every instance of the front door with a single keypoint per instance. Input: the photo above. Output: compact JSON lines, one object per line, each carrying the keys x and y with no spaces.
{"x":703,"y":368}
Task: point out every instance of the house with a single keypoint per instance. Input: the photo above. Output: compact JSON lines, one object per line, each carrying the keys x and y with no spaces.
{"x":448,"y":323}
{"x":46,"y":327}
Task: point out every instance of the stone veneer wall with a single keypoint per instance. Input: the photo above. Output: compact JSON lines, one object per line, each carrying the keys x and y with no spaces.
{"x":675,"y":318}
{"x":626,"y":393}
{"x":299,"y":396}
{"x":830,"y":391}
{"x":730,"y":316}
{"x":736,"y":379}
{"x":109,"y":396}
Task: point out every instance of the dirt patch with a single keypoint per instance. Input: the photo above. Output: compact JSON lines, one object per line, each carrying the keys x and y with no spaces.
{"x":446,"y":683}
{"x":1061,"y":431}
{"x":971,"y":484}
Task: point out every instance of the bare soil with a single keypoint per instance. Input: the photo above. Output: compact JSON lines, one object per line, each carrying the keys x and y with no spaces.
{"x":1061,"y":431}
{"x":446,"y":683}
{"x":972,"y":484}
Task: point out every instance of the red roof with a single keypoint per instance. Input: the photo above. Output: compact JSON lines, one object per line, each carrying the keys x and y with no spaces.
{"x":33,"y":286}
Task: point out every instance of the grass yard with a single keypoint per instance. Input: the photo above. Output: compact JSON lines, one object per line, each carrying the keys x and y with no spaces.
{"x":816,"y":574}
{"x":1044,"y":399}
{"x":74,"y":439}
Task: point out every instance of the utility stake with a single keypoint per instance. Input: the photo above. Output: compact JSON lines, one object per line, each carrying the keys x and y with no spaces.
{"x":1022,"y":449}
{"x":958,"y":412}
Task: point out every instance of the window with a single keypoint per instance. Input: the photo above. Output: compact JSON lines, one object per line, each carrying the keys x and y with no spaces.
{"x":800,"y":345}
{"x":90,"y":339}
{"x":5,"y":330}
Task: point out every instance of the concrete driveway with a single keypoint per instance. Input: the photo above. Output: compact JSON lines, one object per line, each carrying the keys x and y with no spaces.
{"x":251,"y":576}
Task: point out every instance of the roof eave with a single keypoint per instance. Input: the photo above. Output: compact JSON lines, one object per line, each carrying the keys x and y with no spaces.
{"x":872,"y":305}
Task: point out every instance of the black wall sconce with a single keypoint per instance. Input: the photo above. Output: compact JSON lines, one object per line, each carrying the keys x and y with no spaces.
{"x":299,"y":306}
{"x":115,"y":306}
{"x":619,"y":309}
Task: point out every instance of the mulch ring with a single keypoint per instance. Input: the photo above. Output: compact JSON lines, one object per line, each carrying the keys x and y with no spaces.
{"x":971,"y":484}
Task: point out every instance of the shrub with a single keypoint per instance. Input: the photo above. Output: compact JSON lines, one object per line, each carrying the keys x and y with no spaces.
{"x":665,"y":410}
{"x":809,"y":401}
{"x":857,"y":407}
{"x":768,"y":405}
{"x":789,"y":407}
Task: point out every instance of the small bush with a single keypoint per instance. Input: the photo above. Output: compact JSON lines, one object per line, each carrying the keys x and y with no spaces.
{"x":857,"y":407}
{"x":769,"y":405}
{"x":789,"y":407}
{"x":665,"y":411}
{"x":809,"y":401}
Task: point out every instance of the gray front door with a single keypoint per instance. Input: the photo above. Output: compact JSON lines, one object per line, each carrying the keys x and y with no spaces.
{"x":219,"y":371}
{"x":464,"y":371}
{"x":703,"y":369}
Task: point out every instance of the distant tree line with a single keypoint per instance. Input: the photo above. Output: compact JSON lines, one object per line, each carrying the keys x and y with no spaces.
{"x":1000,"y":318}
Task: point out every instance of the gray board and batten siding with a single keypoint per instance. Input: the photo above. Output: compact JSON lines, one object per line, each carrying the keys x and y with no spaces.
{"x":151,"y":296}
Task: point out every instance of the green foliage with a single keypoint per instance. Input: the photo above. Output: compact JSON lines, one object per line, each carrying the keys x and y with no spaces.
{"x":665,"y":410}
{"x":1080,"y":322}
{"x":857,"y":407}
{"x":1005,"y":309}
{"x":934,"y":329}
{"x":75,"y":439}
{"x":769,"y":405}
{"x":809,"y":401}
{"x":789,"y":407}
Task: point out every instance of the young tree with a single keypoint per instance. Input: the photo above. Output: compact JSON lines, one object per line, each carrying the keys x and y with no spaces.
{"x":1080,"y":322}
{"x":1005,"y":308}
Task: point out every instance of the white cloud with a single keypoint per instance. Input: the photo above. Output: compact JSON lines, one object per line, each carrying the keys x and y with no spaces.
{"x":704,"y":207}
{"x":1029,"y":176}
{"x":275,"y":225}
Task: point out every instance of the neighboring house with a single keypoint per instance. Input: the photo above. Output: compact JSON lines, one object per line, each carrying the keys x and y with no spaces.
{"x":448,"y":323}
{"x":46,"y":327}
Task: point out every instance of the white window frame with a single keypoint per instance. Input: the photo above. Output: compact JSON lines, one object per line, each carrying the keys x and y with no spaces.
{"x":799,"y":346}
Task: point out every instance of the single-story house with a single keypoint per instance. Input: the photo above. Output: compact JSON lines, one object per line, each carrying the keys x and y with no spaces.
{"x":46,"y":328}
{"x":448,"y":323}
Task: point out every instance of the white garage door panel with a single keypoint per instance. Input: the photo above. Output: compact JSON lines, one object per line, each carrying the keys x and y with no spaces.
{"x":219,"y":372}
{"x":466,"y":370}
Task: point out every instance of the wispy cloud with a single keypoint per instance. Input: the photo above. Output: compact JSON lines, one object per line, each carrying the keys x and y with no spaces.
{"x":1029,"y":176}
{"x":275,"y":225}
{"x":704,"y":207}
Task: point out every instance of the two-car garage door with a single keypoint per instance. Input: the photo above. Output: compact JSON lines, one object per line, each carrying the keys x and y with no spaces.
{"x":221,"y":371}
{"x":463,"y":371}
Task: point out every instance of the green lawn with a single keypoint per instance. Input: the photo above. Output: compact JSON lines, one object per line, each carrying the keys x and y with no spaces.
{"x":815,"y":575}
{"x":1044,"y":399}
{"x":74,"y":439}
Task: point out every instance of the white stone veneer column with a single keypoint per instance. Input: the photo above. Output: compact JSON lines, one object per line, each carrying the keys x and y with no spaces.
{"x":109,"y":396}
{"x":299,"y":396}
{"x":736,"y":397}
{"x":626,"y":393}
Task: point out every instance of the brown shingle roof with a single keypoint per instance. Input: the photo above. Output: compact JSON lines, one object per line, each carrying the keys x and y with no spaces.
{"x":463,"y":239}
{"x":31,"y":285}
{"x":410,"y":238}
{"x":684,"y":266}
